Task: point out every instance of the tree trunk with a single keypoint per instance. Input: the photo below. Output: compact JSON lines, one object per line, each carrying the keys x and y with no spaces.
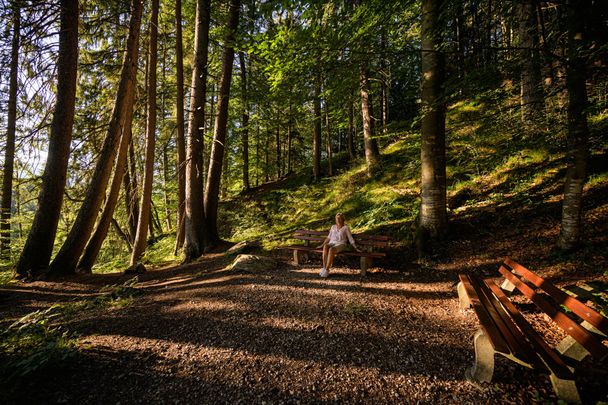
{"x":131,"y":193}
{"x":278,"y":154}
{"x":225,"y":174}
{"x":9,"y":153}
{"x":372,"y":154}
{"x":267,"y":156}
{"x":578,"y":131}
{"x":316,"y":139}
{"x":101,"y":230}
{"x":39,"y":245}
{"x":219,"y":135}
{"x":257,"y":153}
{"x":244,"y":122}
{"x":433,"y":212}
{"x":330,"y":168}
{"x":66,"y":260}
{"x":532,"y":99}
{"x":289,"y":141}
{"x":121,"y":233}
{"x":179,"y":114}
{"x":351,"y":131}
{"x":194,"y":225}
{"x":165,"y":186}
{"x":141,"y":236}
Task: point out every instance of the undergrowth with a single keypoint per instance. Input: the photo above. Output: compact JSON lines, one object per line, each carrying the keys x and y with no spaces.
{"x":42,"y":339}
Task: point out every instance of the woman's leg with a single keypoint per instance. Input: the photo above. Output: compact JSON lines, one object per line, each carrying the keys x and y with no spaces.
{"x":325,"y":255}
{"x":330,"y":257}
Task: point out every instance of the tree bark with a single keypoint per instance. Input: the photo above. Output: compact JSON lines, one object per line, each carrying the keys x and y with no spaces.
{"x":433,"y":212}
{"x":532,"y":99}
{"x":9,"y":153}
{"x":179,"y":114}
{"x":219,"y":136}
{"x":93,"y":247}
{"x":316,"y":139}
{"x":245,"y":122}
{"x":141,"y":236}
{"x":131,"y":193}
{"x":578,"y":130}
{"x":194,"y":224}
{"x":330,"y":167}
{"x":372,"y":154}
{"x":351,"y":131}
{"x":278,"y":154}
{"x":39,"y":245}
{"x":166,"y":197}
{"x":289,"y":140}
{"x":66,"y":260}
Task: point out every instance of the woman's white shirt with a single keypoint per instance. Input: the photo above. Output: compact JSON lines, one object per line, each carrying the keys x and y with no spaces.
{"x":340,"y":236}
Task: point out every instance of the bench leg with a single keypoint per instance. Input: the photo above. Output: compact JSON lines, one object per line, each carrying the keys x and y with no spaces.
{"x":565,"y":389}
{"x":507,"y":287}
{"x":569,"y":347}
{"x":366,"y":263}
{"x":463,"y":298}
{"x":483,"y":368}
{"x":296,"y":257}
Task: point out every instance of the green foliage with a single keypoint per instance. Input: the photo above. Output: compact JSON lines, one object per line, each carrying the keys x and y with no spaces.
{"x":32,"y":343}
{"x":40,"y":339}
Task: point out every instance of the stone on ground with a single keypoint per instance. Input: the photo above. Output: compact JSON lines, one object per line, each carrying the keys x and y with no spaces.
{"x":246,"y":246}
{"x":253,"y":263}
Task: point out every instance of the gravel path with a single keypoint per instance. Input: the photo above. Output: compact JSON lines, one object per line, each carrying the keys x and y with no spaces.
{"x":201,"y":334}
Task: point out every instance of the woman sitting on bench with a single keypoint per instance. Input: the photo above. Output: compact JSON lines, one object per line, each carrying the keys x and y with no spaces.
{"x":336,"y":242}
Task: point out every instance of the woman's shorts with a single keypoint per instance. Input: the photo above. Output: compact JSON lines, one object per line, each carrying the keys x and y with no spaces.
{"x":339,"y":248}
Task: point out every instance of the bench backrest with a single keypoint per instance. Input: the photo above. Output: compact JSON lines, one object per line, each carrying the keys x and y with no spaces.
{"x":362,"y":239}
{"x":527,"y":283}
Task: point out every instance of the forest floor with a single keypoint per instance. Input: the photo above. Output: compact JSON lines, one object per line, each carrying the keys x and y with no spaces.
{"x":202,"y":333}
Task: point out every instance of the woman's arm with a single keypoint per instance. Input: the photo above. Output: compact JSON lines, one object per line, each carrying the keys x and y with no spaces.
{"x":326,"y":241}
{"x":351,"y":240}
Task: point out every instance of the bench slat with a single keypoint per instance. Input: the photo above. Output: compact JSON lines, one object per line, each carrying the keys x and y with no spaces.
{"x":350,"y":253}
{"x":580,"y":334}
{"x":549,"y":357}
{"x":485,"y":319}
{"x":313,"y":238}
{"x":574,"y":305}
{"x":513,"y":336}
{"x":357,"y":240}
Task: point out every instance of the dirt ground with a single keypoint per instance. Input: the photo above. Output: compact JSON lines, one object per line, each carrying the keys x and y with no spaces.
{"x":203,"y":334}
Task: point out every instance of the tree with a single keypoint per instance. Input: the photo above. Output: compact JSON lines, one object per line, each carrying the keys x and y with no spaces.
{"x":578,"y":130}
{"x":316,"y":137}
{"x":179,"y":122}
{"x":532,"y":99}
{"x":9,"y":153}
{"x":139,"y":245}
{"x":38,"y":248}
{"x":372,"y":154}
{"x":93,"y":247}
{"x":67,"y":258}
{"x":194,"y":224}
{"x":433,"y":211}
{"x":244,"y":122}
{"x":214,"y":176}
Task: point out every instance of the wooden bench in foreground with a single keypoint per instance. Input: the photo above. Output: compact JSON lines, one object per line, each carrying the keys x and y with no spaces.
{"x":505,"y":331}
{"x":371,"y":246}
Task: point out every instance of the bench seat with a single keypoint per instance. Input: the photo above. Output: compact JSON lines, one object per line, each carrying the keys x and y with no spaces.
{"x":504,"y":330}
{"x":371,"y":246}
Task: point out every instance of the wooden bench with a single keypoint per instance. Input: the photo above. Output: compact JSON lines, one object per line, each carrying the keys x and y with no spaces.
{"x":368,"y":244}
{"x":505,"y":331}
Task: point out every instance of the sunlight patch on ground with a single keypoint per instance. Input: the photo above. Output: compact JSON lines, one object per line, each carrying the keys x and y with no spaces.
{"x":205,"y":304}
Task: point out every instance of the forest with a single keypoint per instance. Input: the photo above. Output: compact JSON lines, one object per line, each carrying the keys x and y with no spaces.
{"x":160,"y":158}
